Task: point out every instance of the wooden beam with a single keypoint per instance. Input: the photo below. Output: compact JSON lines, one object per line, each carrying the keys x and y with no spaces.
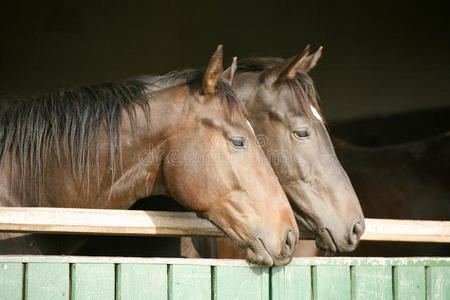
{"x":157,"y":223}
{"x":407,"y":231}
{"x":104,"y":222}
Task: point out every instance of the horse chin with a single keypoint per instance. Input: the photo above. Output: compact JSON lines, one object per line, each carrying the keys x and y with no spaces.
{"x":324,"y":238}
{"x":257,"y":253}
{"x":325,"y":241}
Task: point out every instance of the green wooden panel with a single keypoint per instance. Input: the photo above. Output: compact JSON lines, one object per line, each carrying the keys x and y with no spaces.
{"x":291,"y":282}
{"x":331,"y":282}
{"x":141,"y":281}
{"x":369,"y":282}
{"x":438,"y":283}
{"x":47,"y":281}
{"x":140,"y":278}
{"x":241,"y":283}
{"x":189,"y":282}
{"x":92,"y":281}
{"x":11,"y":275}
{"x":409,"y":283}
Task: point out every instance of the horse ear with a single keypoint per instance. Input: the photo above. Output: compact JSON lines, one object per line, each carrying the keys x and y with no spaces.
{"x":228,"y":74}
{"x":213,"y":72}
{"x":289,"y":67}
{"x":311,"y":61}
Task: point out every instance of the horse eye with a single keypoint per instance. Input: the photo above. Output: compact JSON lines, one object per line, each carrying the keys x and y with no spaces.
{"x":301,"y":134}
{"x":238,"y":142}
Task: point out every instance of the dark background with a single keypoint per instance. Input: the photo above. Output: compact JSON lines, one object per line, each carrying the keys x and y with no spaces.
{"x":380,"y":57}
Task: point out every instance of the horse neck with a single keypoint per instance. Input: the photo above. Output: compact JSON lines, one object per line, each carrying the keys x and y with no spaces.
{"x":142,"y":152}
{"x":137,"y":173}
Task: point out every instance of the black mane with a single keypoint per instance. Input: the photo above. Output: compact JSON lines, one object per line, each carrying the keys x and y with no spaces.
{"x":67,"y":122}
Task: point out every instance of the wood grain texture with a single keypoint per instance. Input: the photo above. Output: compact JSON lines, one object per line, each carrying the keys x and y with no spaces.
{"x":104,"y":221}
{"x":189,"y":282}
{"x":371,"y":282}
{"x":47,"y":281}
{"x":157,"y":223}
{"x":300,"y":261}
{"x":291,"y":283}
{"x":11,"y":275}
{"x":331,"y":282}
{"x":409,"y":283}
{"x":92,"y":282}
{"x":438,"y":283}
{"x":47,"y":277}
{"x":407,"y":230}
{"x":141,"y":282}
{"x":241,"y":283}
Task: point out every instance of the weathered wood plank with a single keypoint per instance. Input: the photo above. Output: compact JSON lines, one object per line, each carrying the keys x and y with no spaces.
{"x":371,"y":282}
{"x":189,"y":282}
{"x":331,"y":282}
{"x":47,"y":281}
{"x":92,"y":281}
{"x":93,"y":278}
{"x":241,"y":283}
{"x":141,"y":281}
{"x":291,"y":282}
{"x":104,"y":221}
{"x":409,"y":283}
{"x":303,"y":261}
{"x":11,"y":275}
{"x":134,"y":222}
{"x":438,"y":283}
{"x":407,"y":230}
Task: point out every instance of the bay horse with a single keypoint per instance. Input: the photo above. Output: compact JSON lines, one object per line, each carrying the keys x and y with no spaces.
{"x":401,"y":181}
{"x":282,"y":106}
{"x":184,"y":134}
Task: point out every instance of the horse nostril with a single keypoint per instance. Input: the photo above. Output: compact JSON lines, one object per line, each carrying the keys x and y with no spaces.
{"x":356,"y":232}
{"x":290,"y":242}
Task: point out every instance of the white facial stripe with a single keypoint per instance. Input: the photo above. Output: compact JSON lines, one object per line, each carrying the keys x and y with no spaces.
{"x":250,"y":125}
{"x":316,"y":113}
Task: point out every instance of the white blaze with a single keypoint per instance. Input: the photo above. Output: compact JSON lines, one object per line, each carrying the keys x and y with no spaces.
{"x":250,"y":125}
{"x":316,"y":113}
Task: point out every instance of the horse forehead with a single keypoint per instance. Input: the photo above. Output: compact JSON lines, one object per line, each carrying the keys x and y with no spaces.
{"x":281,"y":99}
{"x":292,"y":108}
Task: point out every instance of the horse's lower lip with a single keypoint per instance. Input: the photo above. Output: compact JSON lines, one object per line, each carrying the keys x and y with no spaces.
{"x":325,"y":241}
{"x":275,"y":260}
{"x":258,"y":254}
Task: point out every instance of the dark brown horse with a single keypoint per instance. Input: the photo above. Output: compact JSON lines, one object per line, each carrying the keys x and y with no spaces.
{"x":106,"y":146}
{"x":406,"y":181}
{"x":282,"y":107}
{"x":403,"y":181}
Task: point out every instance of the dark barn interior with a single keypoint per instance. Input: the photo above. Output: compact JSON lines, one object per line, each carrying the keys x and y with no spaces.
{"x":383,"y":78}
{"x":379,"y":58}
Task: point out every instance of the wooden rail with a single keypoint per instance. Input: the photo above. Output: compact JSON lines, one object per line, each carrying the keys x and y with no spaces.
{"x":71,"y":277}
{"x":156,"y":223}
